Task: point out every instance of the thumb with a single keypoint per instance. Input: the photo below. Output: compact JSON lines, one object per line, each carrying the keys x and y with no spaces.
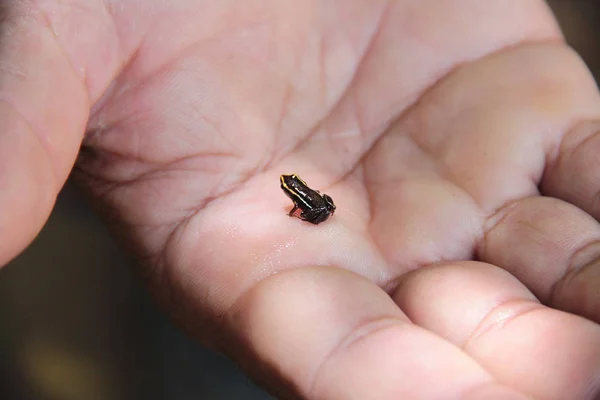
{"x":44,"y":106}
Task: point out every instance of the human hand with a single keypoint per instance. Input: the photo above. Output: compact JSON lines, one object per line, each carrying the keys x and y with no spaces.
{"x":446,"y":132}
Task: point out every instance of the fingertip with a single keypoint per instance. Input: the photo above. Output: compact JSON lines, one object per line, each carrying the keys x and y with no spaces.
{"x":495,"y":319}
{"x":294,"y":318}
{"x":452,"y":299}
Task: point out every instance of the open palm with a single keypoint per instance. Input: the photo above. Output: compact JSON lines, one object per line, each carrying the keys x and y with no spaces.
{"x":438,"y":128}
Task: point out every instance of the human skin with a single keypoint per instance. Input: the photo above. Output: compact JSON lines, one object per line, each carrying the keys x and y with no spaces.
{"x":459,"y":140}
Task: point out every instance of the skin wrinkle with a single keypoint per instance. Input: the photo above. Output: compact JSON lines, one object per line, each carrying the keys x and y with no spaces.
{"x":285,"y":104}
{"x":560,"y":152}
{"x":128,"y":61}
{"x":494,"y":320}
{"x":164,"y":275}
{"x":579,"y":147}
{"x":157,"y":167}
{"x":322,"y":71}
{"x":50,"y":24}
{"x":109,"y":95}
{"x":377,"y":137}
{"x":367,"y":50}
{"x":288,"y":95}
{"x":573,"y":269}
{"x":57,"y":181}
{"x":109,"y":189}
{"x":157,"y":71}
{"x":492,"y":221}
{"x":354,"y":336}
{"x":501,"y":323}
{"x":562,"y":283}
{"x":239,"y":185}
{"x":574,"y":262}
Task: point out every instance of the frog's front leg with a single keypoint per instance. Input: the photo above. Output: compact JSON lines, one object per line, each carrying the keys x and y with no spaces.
{"x":293,"y":210}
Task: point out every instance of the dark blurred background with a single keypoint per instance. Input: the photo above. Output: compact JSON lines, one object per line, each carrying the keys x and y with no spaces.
{"x":76,"y":323}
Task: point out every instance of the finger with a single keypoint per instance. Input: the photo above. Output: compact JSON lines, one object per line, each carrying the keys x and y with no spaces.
{"x":552,"y":247}
{"x":573,"y":174}
{"x":573,"y":169}
{"x":334,"y":335}
{"x":545,"y":353}
{"x":43,"y":109}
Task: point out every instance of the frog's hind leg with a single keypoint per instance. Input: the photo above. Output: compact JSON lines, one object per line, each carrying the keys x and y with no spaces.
{"x":315,"y":216}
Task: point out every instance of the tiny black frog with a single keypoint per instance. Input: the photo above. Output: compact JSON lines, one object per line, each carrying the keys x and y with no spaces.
{"x":315,"y":207}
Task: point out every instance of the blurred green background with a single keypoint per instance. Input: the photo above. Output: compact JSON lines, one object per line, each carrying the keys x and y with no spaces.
{"x":77,"y":324}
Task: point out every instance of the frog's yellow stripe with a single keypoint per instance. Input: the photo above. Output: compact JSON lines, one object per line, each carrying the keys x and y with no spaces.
{"x":296,"y":194}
